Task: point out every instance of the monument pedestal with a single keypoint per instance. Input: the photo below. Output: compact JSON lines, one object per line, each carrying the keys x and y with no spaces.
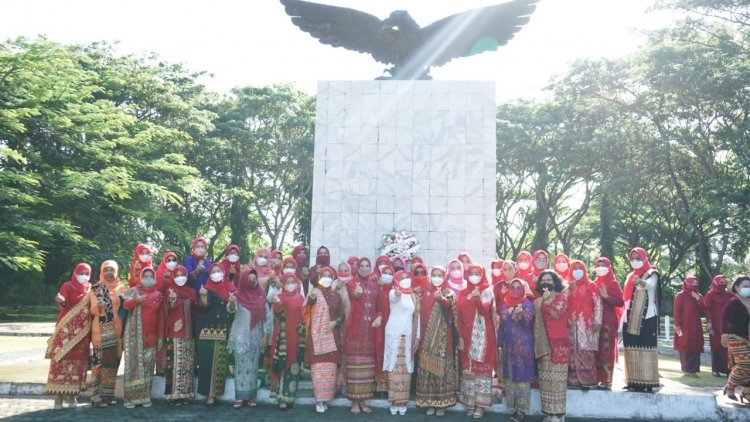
{"x":405,"y":155}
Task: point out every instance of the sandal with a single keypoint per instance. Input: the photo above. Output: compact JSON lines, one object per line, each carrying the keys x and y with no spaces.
{"x":478,"y":413}
{"x":744,"y":398}
{"x":730,"y":393}
{"x":98,"y":404}
{"x":238,"y":404}
{"x":355,"y":410}
{"x":283,"y":406}
{"x":251,"y":403}
{"x":210,"y":404}
{"x":365,"y":408}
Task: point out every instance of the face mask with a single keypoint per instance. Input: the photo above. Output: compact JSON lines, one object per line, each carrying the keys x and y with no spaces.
{"x":475,"y":279}
{"x":290,"y":287}
{"x":262,"y":261}
{"x":577,"y":274}
{"x":180,"y":281}
{"x":523,"y":265}
{"x":83,"y":278}
{"x":561,"y":267}
{"x":602,"y":271}
{"x":301,"y":258}
{"x":217,"y":277}
{"x":199,"y":251}
{"x":363,"y":272}
{"x":345,"y":275}
{"x":636,"y":264}
{"x":456,"y":274}
{"x":745,"y":292}
{"x":386,"y":278}
{"x":145,"y":257}
{"x":233,"y":258}
{"x":148,"y":282}
{"x":405,"y":283}
{"x":324,"y":259}
{"x":541,"y":264}
{"x":515,"y":294}
{"x":289,"y":271}
{"x":325,"y":281}
{"x":548,"y":286}
{"x":497,"y":272}
{"x":276,"y":262}
{"x":171,"y":265}
{"x":437,"y":281}
{"x":692,"y":287}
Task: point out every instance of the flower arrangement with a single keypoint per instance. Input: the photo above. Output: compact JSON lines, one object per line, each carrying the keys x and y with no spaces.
{"x":400,"y":243}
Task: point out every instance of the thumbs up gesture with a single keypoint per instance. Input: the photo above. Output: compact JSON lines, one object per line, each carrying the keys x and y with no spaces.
{"x":358,"y":290}
{"x":172,"y":295}
{"x":232,"y":297}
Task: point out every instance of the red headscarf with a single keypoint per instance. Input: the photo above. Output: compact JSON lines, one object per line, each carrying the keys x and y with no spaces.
{"x":398,"y":259}
{"x":81,"y":287}
{"x":628,"y":289}
{"x":717,"y":287}
{"x":581,"y":301}
{"x":135,"y":270}
{"x":140,"y":277}
{"x":358,"y":278}
{"x":416,"y":259}
{"x":353,"y":262}
{"x":222,"y":288}
{"x":288,"y":260}
{"x":281,"y":261}
{"x":164,"y":277}
{"x":466,"y":267}
{"x":511,"y":301}
{"x":527,"y":273}
{"x":498,"y":263}
{"x":382,"y":259}
{"x":398,"y":277}
{"x":483,"y":283}
{"x":300,"y":258}
{"x":445,"y":277}
{"x":690,"y":280}
{"x":195,"y":242}
{"x":226,"y":265}
{"x":537,"y":254}
{"x":292,"y":302}
{"x":610,"y":281}
{"x":322,"y":260}
{"x":265,"y":270}
{"x":560,"y":258}
{"x":420,"y":281}
{"x":251,"y":297}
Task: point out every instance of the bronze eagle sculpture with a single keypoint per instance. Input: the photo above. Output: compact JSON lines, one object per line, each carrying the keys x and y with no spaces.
{"x":398,"y":40}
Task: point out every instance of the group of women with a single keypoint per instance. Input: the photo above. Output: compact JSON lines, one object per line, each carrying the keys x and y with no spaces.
{"x":393,"y":326}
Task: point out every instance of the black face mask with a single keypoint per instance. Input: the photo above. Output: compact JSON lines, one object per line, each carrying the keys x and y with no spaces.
{"x":548,"y":286}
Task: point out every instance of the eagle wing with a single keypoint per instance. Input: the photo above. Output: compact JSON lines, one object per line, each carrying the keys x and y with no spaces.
{"x":343,"y":27}
{"x":474,"y":31}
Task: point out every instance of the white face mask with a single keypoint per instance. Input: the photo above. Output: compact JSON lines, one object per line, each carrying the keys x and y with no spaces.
{"x":577,"y":274}
{"x":745,"y":291}
{"x":148,"y":282}
{"x":541,"y":264}
{"x":475,"y":279}
{"x":276,"y":261}
{"x":561,"y":267}
{"x":456,"y":274}
{"x":386,"y":278}
{"x":217,"y":277}
{"x":523,"y":265}
{"x":437,"y":281}
{"x":405,"y":283}
{"x":233,"y":258}
{"x":602,"y":271}
{"x":180,"y":281}
{"x":325,"y":281}
{"x":262,"y":261}
{"x":289,"y":271}
{"x":497,"y":272}
{"x":291,"y":287}
{"x":171,"y":265}
{"x":144,"y":257}
{"x":636,"y":264}
{"x":82,"y":278}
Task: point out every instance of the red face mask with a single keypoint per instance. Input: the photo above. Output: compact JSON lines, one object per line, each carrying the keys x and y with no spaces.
{"x":344,"y":274}
{"x":692,"y":287}
{"x":515,"y":294}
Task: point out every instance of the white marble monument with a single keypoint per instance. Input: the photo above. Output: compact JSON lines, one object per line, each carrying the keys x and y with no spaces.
{"x":405,"y":155}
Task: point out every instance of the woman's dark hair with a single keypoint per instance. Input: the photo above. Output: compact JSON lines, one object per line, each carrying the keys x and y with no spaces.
{"x":555,"y":279}
{"x":737,"y":281}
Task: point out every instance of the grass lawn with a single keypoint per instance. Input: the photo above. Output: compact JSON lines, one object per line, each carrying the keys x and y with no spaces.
{"x":669,"y":368}
{"x":46,"y":313}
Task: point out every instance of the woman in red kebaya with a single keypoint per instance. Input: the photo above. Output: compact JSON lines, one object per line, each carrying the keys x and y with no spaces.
{"x":465,"y":261}
{"x":68,"y":349}
{"x":181,"y":303}
{"x":277,"y":259}
{"x":231,"y":264}
{"x":322,"y":259}
{"x":716,"y":299}
{"x":540,"y":262}
{"x":562,"y":268}
{"x":477,"y":344}
{"x":688,"y":338}
{"x":585,"y":311}
{"x":142,"y":258}
{"x":144,"y":335}
{"x":612,"y":303}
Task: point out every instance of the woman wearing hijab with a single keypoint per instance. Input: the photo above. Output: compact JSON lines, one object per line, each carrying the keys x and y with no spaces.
{"x":455,"y":278}
{"x":277,"y":259}
{"x":515,"y":337}
{"x":585,"y":321}
{"x":142,"y":258}
{"x":68,"y":349}
{"x":323,"y":343}
{"x":106,"y":333}
{"x":437,"y":372}
{"x":525,"y":269}
{"x":383,"y":307}
{"x":262,"y":266}
{"x":181,"y":303}
{"x":344,"y":276}
{"x":248,"y":337}
{"x":144,"y":335}
{"x":164,"y":280}
{"x":477,"y":345}
{"x":612,"y":302}
{"x":288,"y":349}
{"x":231,"y":264}
{"x":540,"y":261}
{"x":716,"y":299}
{"x":562,"y":268}
{"x":197,"y":264}
{"x":299,"y":253}
{"x":216,"y":307}
{"x":642,"y":295}
{"x":688,"y":330}
{"x":735,"y":337}
{"x":496,"y":272}
{"x":401,"y":339}
{"x":322,"y":259}
{"x":552,"y":345}
{"x":466,"y":262}
{"x":360,"y":337}
{"x":380,"y":263}
{"x":398,"y":264}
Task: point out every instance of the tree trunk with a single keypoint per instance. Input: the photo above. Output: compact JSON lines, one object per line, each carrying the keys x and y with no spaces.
{"x":606,"y":234}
